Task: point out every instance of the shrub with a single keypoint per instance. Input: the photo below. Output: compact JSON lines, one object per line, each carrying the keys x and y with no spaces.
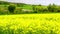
{"x":11,"y":8}
{"x":41,"y":9}
{"x":34,"y":8}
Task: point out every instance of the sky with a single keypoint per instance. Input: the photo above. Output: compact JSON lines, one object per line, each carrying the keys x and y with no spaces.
{"x":43,"y":2}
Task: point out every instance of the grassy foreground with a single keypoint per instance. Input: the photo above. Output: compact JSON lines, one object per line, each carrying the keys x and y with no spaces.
{"x":30,"y":24}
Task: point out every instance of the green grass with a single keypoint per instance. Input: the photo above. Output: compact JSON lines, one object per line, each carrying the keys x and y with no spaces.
{"x":27,"y":7}
{"x":30,"y":24}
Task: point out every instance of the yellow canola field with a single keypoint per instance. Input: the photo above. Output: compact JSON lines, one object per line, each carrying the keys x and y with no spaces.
{"x":31,"y":23}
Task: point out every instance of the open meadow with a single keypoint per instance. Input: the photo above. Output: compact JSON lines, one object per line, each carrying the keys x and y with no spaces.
{"x":30,"y":24}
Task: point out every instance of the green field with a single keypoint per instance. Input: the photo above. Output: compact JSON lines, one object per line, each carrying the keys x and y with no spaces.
{"x":30,"y":24}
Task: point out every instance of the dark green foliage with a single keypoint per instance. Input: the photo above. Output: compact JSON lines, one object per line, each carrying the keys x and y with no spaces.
{"x":34,"y":8}
{"x":52,"y":8}
{"x":11,"y":8}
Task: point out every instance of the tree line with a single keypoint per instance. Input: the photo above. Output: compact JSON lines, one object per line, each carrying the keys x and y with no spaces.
{"x":51,"y":8}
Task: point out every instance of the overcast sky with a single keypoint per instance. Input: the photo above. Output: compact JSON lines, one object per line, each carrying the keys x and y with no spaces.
{"x":44,"y":2}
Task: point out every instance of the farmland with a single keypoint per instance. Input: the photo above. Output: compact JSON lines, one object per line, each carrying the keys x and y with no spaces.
{"x":30,"y":24}
{"x":21,"y":18}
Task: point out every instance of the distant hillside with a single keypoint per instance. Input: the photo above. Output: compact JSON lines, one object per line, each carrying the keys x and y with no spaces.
{"x":7,"y":3}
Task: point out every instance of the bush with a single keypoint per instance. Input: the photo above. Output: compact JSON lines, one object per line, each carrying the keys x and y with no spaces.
{"x":11,"y":8}
{"x":41,"y":9}
{"x":52,"y":8}
{"x":34,"y":8}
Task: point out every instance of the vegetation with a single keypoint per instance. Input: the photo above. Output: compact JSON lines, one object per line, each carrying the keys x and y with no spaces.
{"x":11,"y":8}
{"x":20,"y":8}
{"x":30,"y":24}
{"x":23,"y":23}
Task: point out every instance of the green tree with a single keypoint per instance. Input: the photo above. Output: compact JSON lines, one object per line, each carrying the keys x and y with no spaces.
{"x":34,"y":8}
{"x":41,"y":9}
{"x":11,"y":8}
{"x":52,"y":8}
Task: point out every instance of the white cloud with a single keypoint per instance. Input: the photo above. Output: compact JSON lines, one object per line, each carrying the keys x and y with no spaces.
{"x":45,"y":2}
